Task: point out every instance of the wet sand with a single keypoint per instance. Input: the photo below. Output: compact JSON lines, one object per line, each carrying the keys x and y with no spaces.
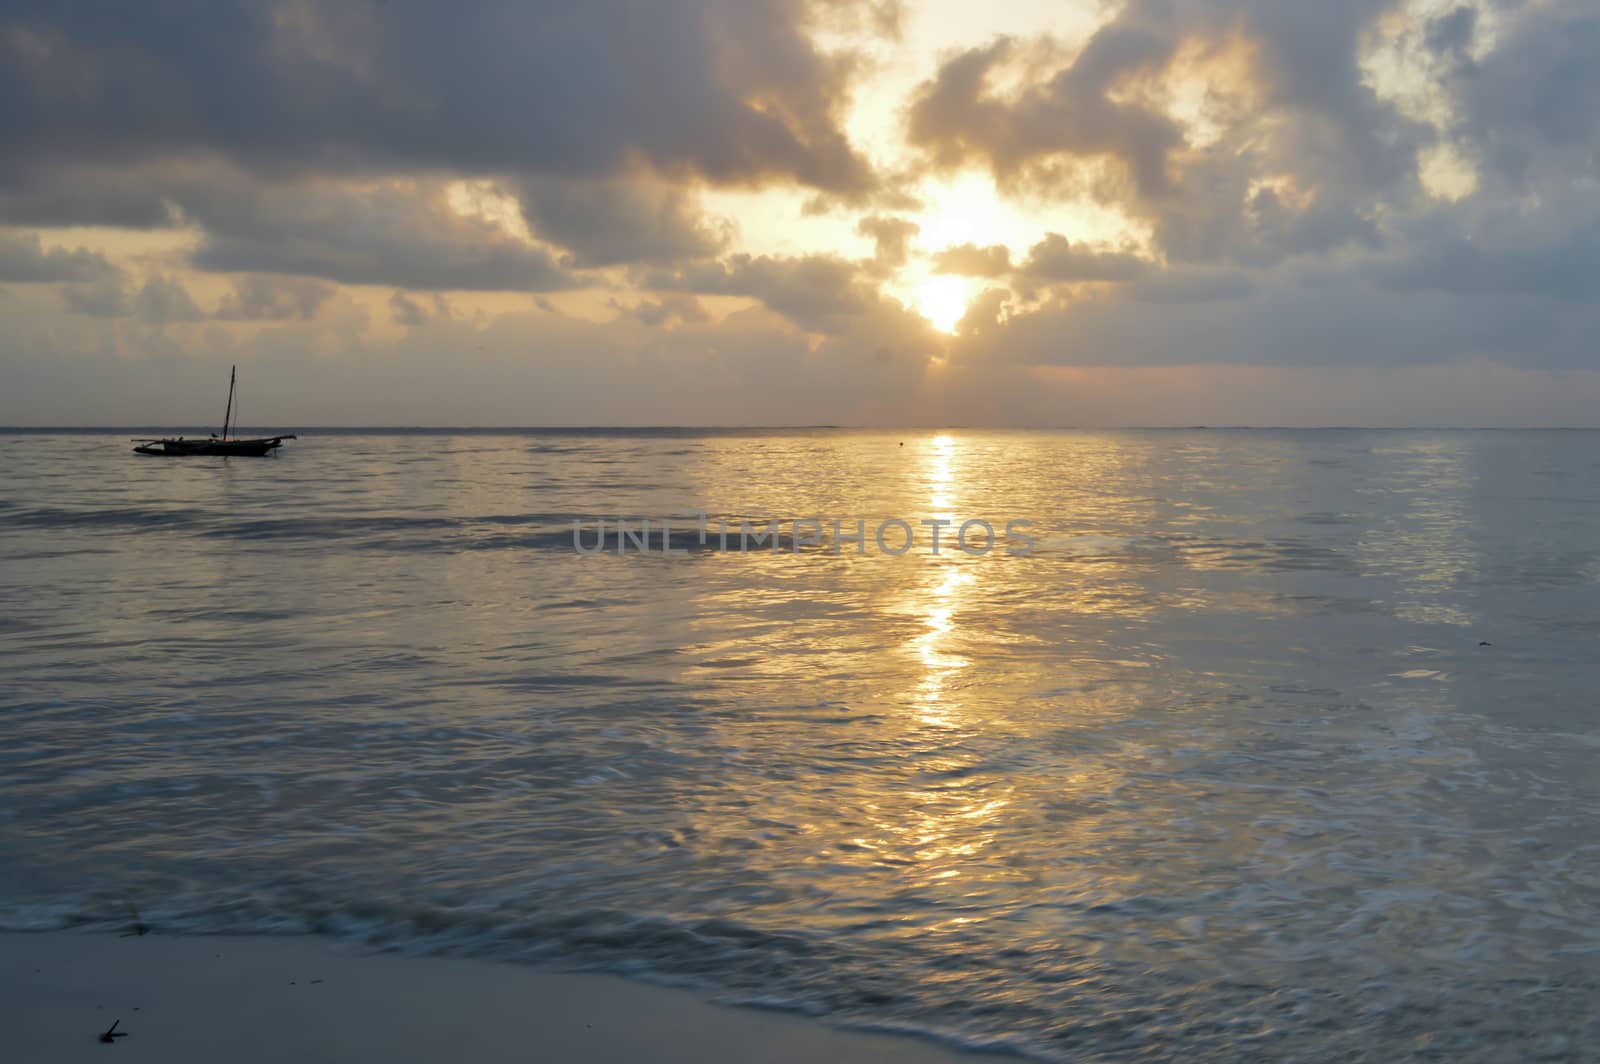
{"x":204,"y":999}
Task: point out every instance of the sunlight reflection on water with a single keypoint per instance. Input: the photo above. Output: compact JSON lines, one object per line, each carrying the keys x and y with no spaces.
{"x":1220,"y":764}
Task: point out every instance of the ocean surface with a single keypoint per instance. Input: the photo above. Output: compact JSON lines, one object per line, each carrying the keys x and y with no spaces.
{"x":1250,"y":744}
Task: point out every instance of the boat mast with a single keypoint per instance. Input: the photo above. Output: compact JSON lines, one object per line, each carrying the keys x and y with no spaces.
{"x":231,"y":374}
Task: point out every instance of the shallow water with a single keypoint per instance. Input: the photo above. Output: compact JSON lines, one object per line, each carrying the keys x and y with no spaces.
{"x":1220,"y":768}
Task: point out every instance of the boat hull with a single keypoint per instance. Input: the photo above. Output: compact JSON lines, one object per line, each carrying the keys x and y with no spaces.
{"x":182,"y":448}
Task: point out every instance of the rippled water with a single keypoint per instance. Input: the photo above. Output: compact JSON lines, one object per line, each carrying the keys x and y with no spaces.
{"x":1220,"y":769}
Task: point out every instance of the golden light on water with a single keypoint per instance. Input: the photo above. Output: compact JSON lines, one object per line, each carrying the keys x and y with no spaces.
{"x":940,"y":663}
{"x":939,"y":605}
{"x":941,"y":475}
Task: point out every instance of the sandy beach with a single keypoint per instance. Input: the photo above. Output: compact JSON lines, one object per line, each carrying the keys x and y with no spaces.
{"x":204,"y":999}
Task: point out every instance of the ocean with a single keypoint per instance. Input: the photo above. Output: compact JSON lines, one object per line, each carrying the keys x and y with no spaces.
{"x":1210,"y":744}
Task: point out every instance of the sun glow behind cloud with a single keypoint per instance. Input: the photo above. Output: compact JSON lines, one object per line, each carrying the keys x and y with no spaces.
{"x":943,"y":301}
{"x":965,"y":207}
{"x":487,"y":200}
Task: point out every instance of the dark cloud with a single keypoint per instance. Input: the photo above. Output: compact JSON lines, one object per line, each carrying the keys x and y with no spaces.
{"x":24,"y":259}
{"x":820,"y":293}
{"x":1283,"y":229}
{"x":1530,"y":109}
{"x":732,"y":91}
{"x":1055,"y":258}
{"x":958,"y":120}
{"x":673,"y":307}
{"x":105,"y":297}
{"x":974,"y":261}
{"x":1180,"y":285}
{"x":407,"y":311}
{"x":1453,"y":33}
{"x":414,"y":311}
{"x":607,"y":222}
{"x":162,"y":300}
{"x":890,"y":237}
{"x":34,"y":192}
{"x":1300,"y":157}
{"x":1562,"y":266}
{"x":268,"y":298}
{"x":396,"y":233}
{"x":1343,"y":320}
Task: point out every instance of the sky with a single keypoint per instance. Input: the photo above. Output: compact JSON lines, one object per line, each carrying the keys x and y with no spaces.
{"x":801,"y":212}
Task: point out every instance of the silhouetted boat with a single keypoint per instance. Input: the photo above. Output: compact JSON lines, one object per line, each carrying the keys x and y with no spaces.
{"x":215,"y":444}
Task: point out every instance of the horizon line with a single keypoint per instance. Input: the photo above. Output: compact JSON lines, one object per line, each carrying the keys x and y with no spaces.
{"x":935,"y":427}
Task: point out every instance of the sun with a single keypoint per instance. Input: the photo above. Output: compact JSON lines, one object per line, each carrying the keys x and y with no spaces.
{"x":942,"y":299}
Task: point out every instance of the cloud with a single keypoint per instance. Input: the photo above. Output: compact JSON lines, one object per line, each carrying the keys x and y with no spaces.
{"x":670,"y":308}
{"x":890,"y":237}
{"x":607,"y":222}
{"x":1241,"y":132}
{"x":1187,"y":285}
{"x":527,"y":367}
{"x":104,"y":297}
{"x":25,"y":260}
{"x":163,"y":299}
{"x":884,"y":18}
{"x":267,"y":298}
{"x":820,"y":293}
{"x":1055,"y":258}
{"x":407,"y":311}
{"x":1337,"y":185}
{"x":415,"y":312}
{"x":1529,"y":110}
{"x":1452,"y":33}
{"x":958,"y":120}
{"x":399,"y":233}
{"x":1335,"y":320}
{"x":1555,"y":266}
{"x":974,"y":261}
{"x":730,"y":91}
{"x":36,"y":192}
{"x":1081,"y":363}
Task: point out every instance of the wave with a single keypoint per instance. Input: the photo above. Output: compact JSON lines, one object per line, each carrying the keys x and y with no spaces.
{"x":1071,"y":1003}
